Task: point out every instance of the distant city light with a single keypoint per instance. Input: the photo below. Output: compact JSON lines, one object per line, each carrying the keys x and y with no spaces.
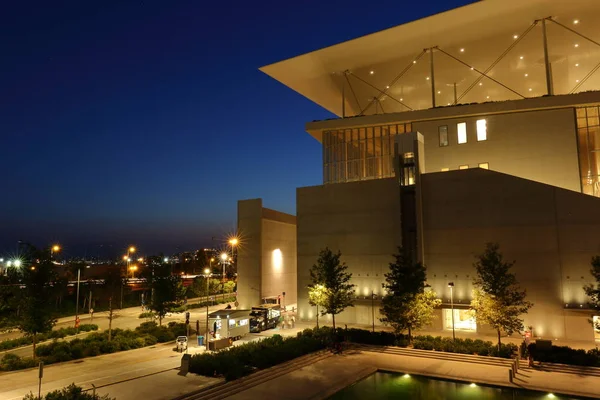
{"x":17,"y":263}
{"x":166,"y":259}
{"x":224,"y":256}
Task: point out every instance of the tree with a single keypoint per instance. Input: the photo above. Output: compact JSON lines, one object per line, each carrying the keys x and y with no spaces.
{"x":497,"y":298}
{"x":593,"y":290}
{"x":167,"y":291}
{"x":406,"y":305}
{"x":316,"y":297}
{"x":332,"y":274}
{"x":37,"y":315}
{"x":110,"y":290}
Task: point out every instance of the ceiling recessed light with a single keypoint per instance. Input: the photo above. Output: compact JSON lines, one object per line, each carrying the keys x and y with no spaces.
{"x":487,"y":97}
{"x":480,"y":83}
{"x":401,"y":99}
{"x":576,"y":44}
{"x":576,"y":21}
{"x":439,"y":92}
{"x":387,"y":87}
{"x":372,"y":72}
{"x":577,"y":65}
{"x":530,"y":89}
{"x":577,"y":80}
{"x":520,"y":58}
{"x":448,"y":103}
{"x":515,"y":36}
{"x":526,"y":75}
{"x":462,"y":50}
{"x":472,"y":68}
{"x":415,"y":61}
{"x":427,"y":78}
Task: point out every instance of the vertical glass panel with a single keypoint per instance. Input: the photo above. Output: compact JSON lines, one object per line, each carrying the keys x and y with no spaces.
{"x":401,"y":129}
{"x":408,"y":127}
{"x":463,"y":167}
{"x":461,"y":129}
{"x":481,"y":130}
{"x":581,"y":112}
{"x":369,"y":132}
{"x":363,"y":134}
{"x":393,"y":130}
{"x":484,"y":165}
{"x":443,"y":134}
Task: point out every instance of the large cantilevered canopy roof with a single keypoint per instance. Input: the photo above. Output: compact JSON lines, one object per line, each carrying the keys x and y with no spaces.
{"x":491,"y":50}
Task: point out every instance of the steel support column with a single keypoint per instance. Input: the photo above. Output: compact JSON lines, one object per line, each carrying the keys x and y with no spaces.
{"x":432,"y":77}
{"x":549,"y":83}
{"x":344,"y":97}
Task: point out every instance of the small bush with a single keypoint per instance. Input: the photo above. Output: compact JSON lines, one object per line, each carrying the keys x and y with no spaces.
{"x":147,"y":314}
{"x":70,"y":392}
{"x":567,"y":355}
{"x":41,"y":337}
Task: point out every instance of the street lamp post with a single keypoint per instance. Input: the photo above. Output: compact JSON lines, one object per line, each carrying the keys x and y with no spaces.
{"x":451,"y":286}
{"x":207,"y":273}
{"x":224,"y":258}
{"x":373,"y":308}
{"x":77,"y":298}
{"x":127,"y":259}
{"x":54,"y":249}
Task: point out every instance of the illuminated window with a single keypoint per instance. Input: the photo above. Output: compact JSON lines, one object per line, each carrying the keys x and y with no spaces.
{"x":484,"y":165}
{"x":596,"y":321}
{"x":481,"y":130}
{"x":463,"y":167}
{"x":461,"y":128}
{"x":445,"y":169}
{"x":463,"y":320}
{"x":443,"y":133}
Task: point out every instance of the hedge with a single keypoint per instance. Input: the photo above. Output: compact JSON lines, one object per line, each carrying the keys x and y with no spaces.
{"x":147,"y":334}
{"x":40,"y":337}
{"x":462,"y":346}
{"x":70,"y":392}
{"x":566,"y":355}
{"x":238,"y":361}
{"x":210,"y":303}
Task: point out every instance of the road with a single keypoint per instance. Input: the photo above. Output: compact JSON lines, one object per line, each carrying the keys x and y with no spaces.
{"x":149,"y":373}
{"x":126,"y":318}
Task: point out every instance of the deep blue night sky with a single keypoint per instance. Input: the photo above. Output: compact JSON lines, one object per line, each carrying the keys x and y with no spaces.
{"x":145,"y":121}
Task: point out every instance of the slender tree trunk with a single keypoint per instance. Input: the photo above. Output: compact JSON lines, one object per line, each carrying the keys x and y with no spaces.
{"x":333,"y":316}
{"x":409,"y":335}
{"x":317,"y":316}
{"x":34,"y":339}
{"x":160,"y":320}
{"x":499,"y":343}
{"x":110,"y":317}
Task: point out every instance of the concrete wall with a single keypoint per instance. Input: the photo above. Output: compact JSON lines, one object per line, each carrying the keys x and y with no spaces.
{"x":261,"y":273}
{"x":536,"y":145}
{"x":362,"y":220}
{"x":552,"y":234}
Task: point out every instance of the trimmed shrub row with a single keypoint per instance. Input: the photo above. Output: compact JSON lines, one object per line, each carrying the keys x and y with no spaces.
{"x":566,"y":355}
{"x":71,"y":392}
{"x":147,"y":334}
{"x":238,"y":361}
{"x":56,"y":334}
{"x":462,"y":346}
{"x":210,"y":303}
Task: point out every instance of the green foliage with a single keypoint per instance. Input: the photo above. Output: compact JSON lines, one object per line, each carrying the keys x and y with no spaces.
{"x":70,"y":392}
{"x":567,"y":355}
{"x":497,"y":299}
{"x":37,"y":314}
{"x":168,"y":291}
{"x":96,"y":343}
{"x":55,"y":334}
{"x":330,"y":273}
{"x":148,"y":314}
{"x":593,"y":289}
{"x":407,"y":306}
{"x":238,"y":361}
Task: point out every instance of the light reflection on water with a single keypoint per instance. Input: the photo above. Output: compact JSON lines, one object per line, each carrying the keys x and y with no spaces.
{"x":385,"y":385}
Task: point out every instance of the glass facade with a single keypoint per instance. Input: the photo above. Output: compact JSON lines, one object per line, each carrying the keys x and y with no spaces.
{"x":588,"y":139}
{"x":463,"y":320}
{"x":360,"y":153}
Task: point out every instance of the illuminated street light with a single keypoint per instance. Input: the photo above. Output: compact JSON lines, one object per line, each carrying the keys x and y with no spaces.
{"x":132,"y":249}
{"x":17,"y":263}
{"x":125,"y":258}
{"x":451,"y":286}
{"x":166,"y":260}
{"x":224,"y":256}
{"x":234,"y":241}
{"x":133,"y":268}
{"x":54,"y":249}
{"x":33,"y":268}
{"x":207,"y":273}
{"x":8,"y":263}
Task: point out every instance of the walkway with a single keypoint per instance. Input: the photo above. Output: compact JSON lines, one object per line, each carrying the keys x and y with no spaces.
{"x":322,"y":379}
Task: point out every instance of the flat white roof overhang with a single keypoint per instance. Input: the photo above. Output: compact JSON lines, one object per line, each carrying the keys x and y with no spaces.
{"x":474,"y":36}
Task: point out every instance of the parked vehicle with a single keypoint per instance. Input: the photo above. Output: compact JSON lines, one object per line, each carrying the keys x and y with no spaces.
{"x":228,"y":323}
{"x":265,"y":317}
{"x":182,"y":343}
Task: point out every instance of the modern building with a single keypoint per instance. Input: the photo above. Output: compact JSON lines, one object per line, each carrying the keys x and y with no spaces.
{"x":476,"y":125}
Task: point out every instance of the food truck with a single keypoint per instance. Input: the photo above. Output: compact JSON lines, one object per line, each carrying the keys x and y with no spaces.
{"x":267,"y":316}
{"x":229,"y":324}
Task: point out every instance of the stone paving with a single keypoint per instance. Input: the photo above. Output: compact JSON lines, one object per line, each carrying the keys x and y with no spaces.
{"x":324,"y":378}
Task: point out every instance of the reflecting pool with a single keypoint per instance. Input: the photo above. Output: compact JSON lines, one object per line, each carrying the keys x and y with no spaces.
{"x":385,"y":385}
